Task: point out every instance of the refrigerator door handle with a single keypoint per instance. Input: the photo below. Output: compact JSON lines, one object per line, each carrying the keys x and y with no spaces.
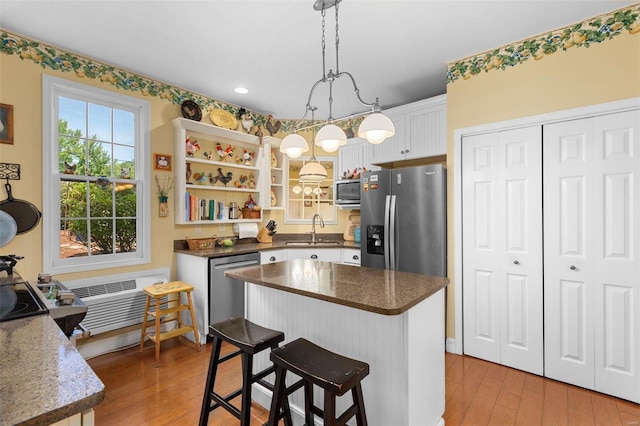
{"x":392,"y":234}
{"x":387,"y":207}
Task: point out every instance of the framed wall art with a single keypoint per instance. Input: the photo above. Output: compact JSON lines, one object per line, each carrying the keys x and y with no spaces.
{"x":6,"y":124}
{"x":162,"y":162}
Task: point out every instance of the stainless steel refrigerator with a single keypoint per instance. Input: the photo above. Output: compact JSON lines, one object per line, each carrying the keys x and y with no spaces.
{"x":403,"y":219}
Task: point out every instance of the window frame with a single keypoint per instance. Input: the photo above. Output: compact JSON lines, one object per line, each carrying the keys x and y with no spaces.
{"x":52,"y":89}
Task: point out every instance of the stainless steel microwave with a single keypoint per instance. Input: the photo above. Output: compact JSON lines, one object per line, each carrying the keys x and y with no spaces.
{"x":348,"y":192}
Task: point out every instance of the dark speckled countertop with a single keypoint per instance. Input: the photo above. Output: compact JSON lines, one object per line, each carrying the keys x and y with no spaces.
{"x":44,"y":379}
{"x":376,"y":290}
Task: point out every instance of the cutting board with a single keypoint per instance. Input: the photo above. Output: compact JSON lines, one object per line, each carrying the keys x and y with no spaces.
{"x":352,"y":223}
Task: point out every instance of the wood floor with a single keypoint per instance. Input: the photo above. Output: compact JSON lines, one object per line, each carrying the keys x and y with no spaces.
{"x":477,"y":392}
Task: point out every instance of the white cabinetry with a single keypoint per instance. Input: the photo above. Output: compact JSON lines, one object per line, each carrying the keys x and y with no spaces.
{"x":351,"y":256}
{"x":322,"y":254}
{"x":502,"y":248}
{"x":357,"y":153}
{"x":421,"y":129}
{"x":591,"y":245}
{"x":273,"y":187}
{"x":195,"y":271}
{"x":272,"y":256}
{"x":213,"y":180}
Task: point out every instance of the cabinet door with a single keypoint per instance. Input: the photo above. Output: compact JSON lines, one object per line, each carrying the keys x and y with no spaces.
{"x":392,"y":149}
{"x":592,"y":279}
{"x":272,"y":256}
{"x":502,"y":248}
{"x":349,"y":157}
{"x":351,"y":256}
{"x":426,"y":133}
{"x":323,"y":254}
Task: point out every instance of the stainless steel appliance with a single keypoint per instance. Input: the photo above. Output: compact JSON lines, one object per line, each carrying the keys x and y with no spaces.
{"x":226,"y":295}
{"x":348,"y":192}
{"x":403,"y":219}
{"x":18,"y":299}
{"x":66,"y":309}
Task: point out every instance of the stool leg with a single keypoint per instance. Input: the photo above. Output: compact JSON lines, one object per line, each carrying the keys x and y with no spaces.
{"x":308,"y":403}
{"x":211,"y":378}
{"x":361,"y":416}
{"x":193,"y":321}
{"x":279,"y":393}
{"x":157,"y":336}
{"x":247,"y":373}
{"x":144,"y":323}
{"x":329,"y":409}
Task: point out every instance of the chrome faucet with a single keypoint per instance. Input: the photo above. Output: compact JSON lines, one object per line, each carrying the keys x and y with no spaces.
{"x":313,"y":226}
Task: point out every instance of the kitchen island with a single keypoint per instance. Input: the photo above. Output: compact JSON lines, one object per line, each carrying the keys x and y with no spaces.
{"x":392,"y":320}
{"x":44,"y":379}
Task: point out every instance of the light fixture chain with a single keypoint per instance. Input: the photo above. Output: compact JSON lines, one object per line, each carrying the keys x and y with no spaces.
{"x":324,"y":70}
{"x":337,"y":40}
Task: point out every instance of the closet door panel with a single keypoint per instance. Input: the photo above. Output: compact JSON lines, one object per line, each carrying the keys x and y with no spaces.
{"x":568,"y":291}
{"x":616,"y":271}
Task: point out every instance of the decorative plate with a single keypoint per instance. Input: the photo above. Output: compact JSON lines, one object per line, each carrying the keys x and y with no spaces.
{"x":191,"y":110}
{"x":223,"y":118}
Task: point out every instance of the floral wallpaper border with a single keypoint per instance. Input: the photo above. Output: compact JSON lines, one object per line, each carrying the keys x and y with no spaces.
{"x":595,"y":30}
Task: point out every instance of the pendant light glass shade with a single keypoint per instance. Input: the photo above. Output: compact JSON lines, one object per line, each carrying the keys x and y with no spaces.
{"x":312,"y":172}
{"x":376,"y":128}
{"x":293,"y":145}
{"x":331,"y":137}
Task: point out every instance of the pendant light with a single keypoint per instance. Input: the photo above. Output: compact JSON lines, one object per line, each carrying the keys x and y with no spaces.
{"x":313,"y":170}
{"x":375,"y":128}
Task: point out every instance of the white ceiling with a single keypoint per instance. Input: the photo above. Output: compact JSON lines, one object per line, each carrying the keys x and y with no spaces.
{"x":396,"y":50}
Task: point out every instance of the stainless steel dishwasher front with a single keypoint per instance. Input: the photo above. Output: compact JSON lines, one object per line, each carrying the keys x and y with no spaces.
{"x":226,"y":295}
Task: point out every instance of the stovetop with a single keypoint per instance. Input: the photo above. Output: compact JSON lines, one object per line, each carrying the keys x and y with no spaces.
{"x":19,"y":300}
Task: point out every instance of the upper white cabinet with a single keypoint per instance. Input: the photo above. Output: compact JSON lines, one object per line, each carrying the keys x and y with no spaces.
{"x":420,"y":131}
{"x":357,"y":153}
{"x":224,"y":166}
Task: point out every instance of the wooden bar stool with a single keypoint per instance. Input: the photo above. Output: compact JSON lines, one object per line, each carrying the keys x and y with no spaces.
{"x":250,"y":339}
{"x":171,"y":306}
{"x":334,"y":373}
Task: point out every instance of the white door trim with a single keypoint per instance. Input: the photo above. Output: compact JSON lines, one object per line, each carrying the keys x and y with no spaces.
{"x":458,"y":135}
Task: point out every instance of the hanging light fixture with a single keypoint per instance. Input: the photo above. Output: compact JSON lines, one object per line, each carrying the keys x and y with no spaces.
{"x":375,"y":128}
{"x":313,"y":170}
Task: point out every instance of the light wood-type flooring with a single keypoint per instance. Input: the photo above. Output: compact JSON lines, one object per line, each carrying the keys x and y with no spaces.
{"x":477,"y":392}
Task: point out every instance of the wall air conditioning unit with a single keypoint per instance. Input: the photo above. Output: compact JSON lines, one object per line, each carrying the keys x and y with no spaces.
{"x":115,"y":301}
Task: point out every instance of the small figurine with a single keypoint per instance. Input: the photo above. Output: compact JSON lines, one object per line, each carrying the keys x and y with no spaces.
{"x":125,"y":173}
{"x":247,"y":157}
{"x":240,"y":183}
{"x":274,"y":160}
{"x":252,"y":181}
{"x":274,"y":200}
{"x":207,"y":155}
{"x":69,"y":169}
{"x":271,"y":126}
{"x":246,"y":121}
{"x":200,"y":178}
{"x":250,"y":204}
{"x":258,"y":133}
{"x":224,"y":153}
{"x":224,"y":179}
{"x":191,"y":147}
{"x":188,"y":172}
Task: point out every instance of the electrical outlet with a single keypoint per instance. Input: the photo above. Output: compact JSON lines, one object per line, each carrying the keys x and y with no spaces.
{"x":198,"y":229}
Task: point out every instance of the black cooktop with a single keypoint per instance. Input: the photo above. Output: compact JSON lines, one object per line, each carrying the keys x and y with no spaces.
{"x":18,"y":300}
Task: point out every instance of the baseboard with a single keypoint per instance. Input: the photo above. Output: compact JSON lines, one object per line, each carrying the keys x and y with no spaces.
{"x":450,"y":346}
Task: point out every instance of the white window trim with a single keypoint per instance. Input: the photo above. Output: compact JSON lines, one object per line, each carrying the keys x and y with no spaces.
{"x":52,"y":87}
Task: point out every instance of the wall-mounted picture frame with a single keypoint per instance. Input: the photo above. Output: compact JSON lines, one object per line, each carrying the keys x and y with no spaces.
{"x":162,"y":162}
{"x":6,"y":124}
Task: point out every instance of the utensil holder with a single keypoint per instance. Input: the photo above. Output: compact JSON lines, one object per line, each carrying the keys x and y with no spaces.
{"x":263,"y":236}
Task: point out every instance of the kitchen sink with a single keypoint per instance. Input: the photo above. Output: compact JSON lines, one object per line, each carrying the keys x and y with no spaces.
{"x":309,"y":243}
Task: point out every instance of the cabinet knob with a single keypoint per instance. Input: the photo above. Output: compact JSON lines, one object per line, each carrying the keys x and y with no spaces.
{"x":402,"y":152}
{"x":272,"y":259}
{"x":314,"y":256}
{"x":572,"y":267}
{"x":355,"y":257}
{"x":406,"y":151}
{"x":515,"y":262}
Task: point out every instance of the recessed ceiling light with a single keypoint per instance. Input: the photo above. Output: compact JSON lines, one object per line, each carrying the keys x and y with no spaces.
{"x":241,"y":90}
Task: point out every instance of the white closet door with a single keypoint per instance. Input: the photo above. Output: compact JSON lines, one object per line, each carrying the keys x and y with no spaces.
{"x":592,"y":279}
{"x":616,"y":265}
{"x":502,"y":248}
{"x":569,"y":198}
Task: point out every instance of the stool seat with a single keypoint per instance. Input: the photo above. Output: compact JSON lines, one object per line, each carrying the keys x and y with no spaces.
{"x":328,"y":370}
{"x":164,"y":312}
{"x":334,"y":373}
{"x":249,"y":339}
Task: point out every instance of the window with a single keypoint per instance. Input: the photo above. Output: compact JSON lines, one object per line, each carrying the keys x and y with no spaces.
{"x":95,"y":178}
{"x":306,"y":199}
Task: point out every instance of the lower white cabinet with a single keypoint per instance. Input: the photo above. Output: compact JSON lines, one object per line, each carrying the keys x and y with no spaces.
{"x":272,"y":256}
{"x":322,"y":254}
{"x":351,"y":256}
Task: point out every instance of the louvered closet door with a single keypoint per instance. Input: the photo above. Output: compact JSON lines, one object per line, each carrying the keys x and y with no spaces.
{"x":592,"y":279}
{"x":502,"y":248}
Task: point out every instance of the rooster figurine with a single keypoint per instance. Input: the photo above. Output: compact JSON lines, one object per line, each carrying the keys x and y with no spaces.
{"x":247,"y":157}
{"x":222,"y":178}
{"x":200,"y":178}
{"x":271,"y":126}
{"x":191,"y":147}
{"x":246,"y":120}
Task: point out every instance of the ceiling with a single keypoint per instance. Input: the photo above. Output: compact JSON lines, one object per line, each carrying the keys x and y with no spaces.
{"x":396,"y":50}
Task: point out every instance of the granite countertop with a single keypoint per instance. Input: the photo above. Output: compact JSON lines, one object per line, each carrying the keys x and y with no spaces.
{"x":44,"y":378}
{"x":324,"y":241}
{"x":376,"y":290}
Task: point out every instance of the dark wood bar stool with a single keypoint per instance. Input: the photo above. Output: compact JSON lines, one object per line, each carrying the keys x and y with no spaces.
{"x":250,"y":339}
{"x":334,"y":373}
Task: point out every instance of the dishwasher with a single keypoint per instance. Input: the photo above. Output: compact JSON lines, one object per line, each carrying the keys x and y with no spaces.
{"x":226,"y":295}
